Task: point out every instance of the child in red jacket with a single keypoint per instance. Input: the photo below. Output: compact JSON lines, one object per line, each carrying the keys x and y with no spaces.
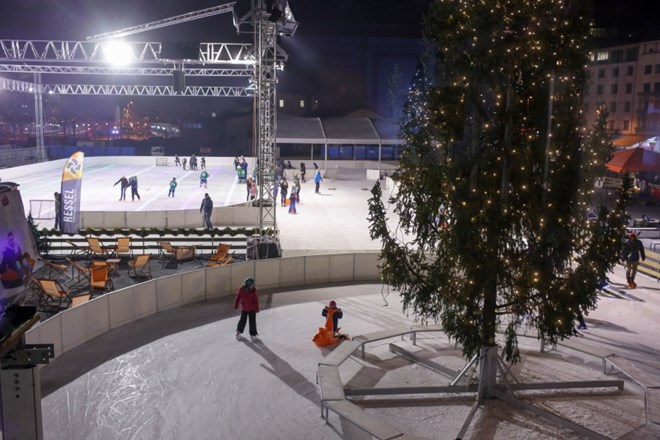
{"x":248,"y":297}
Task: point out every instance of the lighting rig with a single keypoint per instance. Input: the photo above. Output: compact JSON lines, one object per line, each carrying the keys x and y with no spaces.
{"x":107,"y":57}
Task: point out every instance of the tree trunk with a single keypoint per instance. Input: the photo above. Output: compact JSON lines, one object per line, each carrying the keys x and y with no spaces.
{"x":488,"y":352}
{"x":487,"y":372}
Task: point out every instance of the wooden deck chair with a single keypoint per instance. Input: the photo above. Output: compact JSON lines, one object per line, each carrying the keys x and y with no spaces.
{"x":140,"y":266}
{"x":221,"y":256}
{"x":124,"y":247}
{"x":54,"y":270}
{"x":95,"y":248}
{"x":54,"y":297}
{"x":78,"y":250}
{"x":166,"y":250}
{"x":79,"y":273}
{"x":101,"y":279}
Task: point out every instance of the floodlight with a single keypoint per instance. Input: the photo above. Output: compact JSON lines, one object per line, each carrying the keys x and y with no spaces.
{"x":118,"y":53}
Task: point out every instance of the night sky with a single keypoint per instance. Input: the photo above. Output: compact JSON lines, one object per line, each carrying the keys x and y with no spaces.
{"x":76,"y":19}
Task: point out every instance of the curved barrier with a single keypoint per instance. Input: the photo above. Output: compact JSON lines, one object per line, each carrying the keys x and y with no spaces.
{"x":236,"y":215}
{"x":77,"y":325}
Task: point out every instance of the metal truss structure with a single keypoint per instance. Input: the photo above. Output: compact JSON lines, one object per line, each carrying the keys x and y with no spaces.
{"x":268,"y":19}
{"x":237,"y":72}
{"x":265,"y":19}
{"x":178,"y":19}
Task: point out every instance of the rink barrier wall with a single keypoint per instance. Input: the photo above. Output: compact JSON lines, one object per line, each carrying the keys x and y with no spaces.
{"x":240,"y":215}
{"x":73,"y":327}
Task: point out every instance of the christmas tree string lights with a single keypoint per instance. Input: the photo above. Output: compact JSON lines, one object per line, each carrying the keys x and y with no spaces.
{"x":495,"y":147}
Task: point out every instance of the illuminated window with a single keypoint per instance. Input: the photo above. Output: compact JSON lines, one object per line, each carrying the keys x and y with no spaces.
{"x":281,"y":103}
{"x":302,"y":103}
{"x":602,"y":56}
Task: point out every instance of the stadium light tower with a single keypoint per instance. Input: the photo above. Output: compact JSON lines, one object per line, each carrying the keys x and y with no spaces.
{"x":266,"y":20}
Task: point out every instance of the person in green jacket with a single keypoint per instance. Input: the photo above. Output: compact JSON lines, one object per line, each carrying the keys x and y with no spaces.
{"x":173,"y":185}
{"x":203,"y":178}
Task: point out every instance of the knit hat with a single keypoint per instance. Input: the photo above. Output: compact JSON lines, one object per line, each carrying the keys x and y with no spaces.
{"x":249,"y":282}
{"x":332,"y":303}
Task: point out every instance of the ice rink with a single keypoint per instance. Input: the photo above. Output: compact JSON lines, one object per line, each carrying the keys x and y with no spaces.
{"x":335,"y":220}
{"x":181,"y":374}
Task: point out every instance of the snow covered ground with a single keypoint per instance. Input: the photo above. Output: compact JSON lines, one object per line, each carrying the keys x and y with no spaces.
{"x":181,"y":374}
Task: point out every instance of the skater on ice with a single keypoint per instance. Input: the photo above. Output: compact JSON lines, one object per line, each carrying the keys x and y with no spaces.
{"x":284,"y":190}
{"x":293,"y":199}
{"x":173,"y":185}
{"x":177,"y":161}
{"x":329,"y":334}
{"x":124,"y":186}
{"x":317,"y":180}
{"x":248,"y":298}
{"x":202,"y":163}
{"x":203,"y":178}
{"x":133,"y":181}
{"x":184,"y":163}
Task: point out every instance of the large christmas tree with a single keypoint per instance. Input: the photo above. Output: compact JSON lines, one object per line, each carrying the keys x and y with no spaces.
{"x":496,"y":176}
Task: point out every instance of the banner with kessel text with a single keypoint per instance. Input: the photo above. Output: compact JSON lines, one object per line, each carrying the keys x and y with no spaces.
{"x":70,"y":194}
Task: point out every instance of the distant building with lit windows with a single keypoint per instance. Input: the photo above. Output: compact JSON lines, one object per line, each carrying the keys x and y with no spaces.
{"x":626,"y":78}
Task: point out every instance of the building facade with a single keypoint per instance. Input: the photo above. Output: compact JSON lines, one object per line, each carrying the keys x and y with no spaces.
{"x":627,"y":80}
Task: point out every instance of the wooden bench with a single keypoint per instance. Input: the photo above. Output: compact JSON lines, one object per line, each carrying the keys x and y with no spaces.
{"x":424,"y":329}
{"x":331,"y":386}
{"x":587,"y":349}
{"x":382,"y":334}
{"x":340,"y":354}
{"x":629,"y":369}
{"x":366,"y":422}
{"x":393,"y":333}
{"x":646,"y":381}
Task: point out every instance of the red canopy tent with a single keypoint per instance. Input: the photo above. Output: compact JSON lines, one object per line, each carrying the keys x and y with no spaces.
{"x":634,"y":160}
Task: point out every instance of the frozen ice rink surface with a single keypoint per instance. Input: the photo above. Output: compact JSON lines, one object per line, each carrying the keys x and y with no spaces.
{"x":181,"y":374}
{"x":333,"y":221}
